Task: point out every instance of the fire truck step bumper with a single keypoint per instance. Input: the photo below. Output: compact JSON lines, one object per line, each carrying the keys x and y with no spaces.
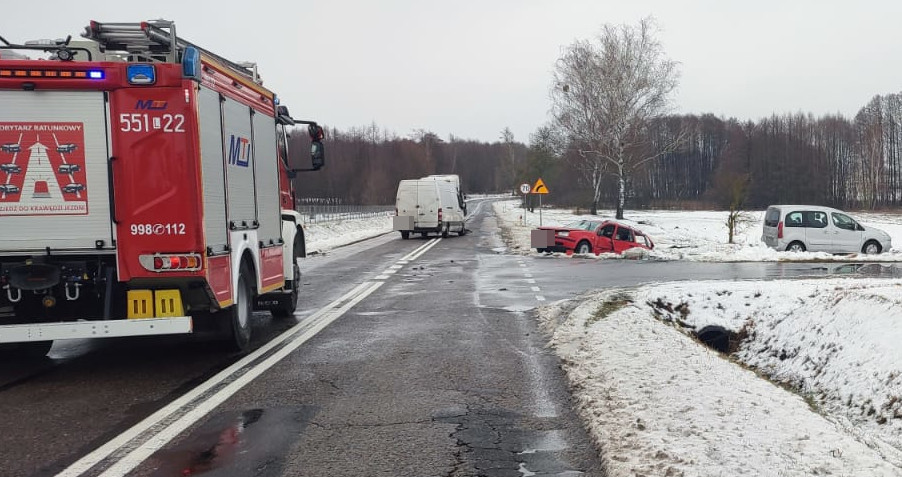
{"x":95,"y":329}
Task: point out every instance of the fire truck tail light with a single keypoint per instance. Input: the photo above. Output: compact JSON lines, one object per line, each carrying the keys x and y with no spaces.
{"x":179,"y":262}
{"x":141,"y":74}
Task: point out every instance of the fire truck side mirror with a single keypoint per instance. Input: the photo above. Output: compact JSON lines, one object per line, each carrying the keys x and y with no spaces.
{"x":317,"y":155}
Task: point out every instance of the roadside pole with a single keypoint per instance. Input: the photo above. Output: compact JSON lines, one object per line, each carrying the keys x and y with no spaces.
{"x":541,"y":189}
{"x":524,"y":189}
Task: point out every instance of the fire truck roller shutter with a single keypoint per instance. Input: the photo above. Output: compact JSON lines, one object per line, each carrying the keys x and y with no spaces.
{"x":267,"y":177}
{"x":53,"y":131}
{"x":239,"y":158}
{"x":211,"y":141}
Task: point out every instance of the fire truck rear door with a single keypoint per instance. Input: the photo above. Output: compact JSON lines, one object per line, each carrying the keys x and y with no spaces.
{"x":54,"y":186}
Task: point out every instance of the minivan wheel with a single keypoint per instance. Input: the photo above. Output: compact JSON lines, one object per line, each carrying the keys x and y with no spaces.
{"x":583,"y":247}
{"x":795,"y":247}
{"x":871,"y":247}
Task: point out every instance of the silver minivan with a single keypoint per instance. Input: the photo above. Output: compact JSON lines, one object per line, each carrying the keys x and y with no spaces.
{"x":798,"y":228}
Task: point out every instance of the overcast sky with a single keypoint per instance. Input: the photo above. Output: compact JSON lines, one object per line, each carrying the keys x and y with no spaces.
{"x":471,"y":68}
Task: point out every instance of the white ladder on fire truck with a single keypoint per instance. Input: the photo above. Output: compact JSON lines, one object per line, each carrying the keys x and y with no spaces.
{"x":154,"y":40}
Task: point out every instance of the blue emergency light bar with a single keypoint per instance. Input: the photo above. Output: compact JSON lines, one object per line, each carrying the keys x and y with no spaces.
{"x":95,"y":74}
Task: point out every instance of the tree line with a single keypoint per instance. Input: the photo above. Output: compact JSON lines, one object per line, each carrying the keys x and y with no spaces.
{"x":790,"y":158}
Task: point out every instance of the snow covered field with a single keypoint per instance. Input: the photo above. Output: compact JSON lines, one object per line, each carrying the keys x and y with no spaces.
{"x":813,"y":387}
{"x":694,"y":235}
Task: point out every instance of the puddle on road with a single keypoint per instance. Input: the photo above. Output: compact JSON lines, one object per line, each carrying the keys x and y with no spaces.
{"x":547,"y":441}
{"x":873,"y":269}
{"x":252,"y":442}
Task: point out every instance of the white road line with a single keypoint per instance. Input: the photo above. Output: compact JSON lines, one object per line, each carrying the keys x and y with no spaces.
{"x":390,"y":272}
{"x":540,"y":298}
{"x":523,"y":265}
{"x":410,"y":256}
{"x":422,"y":250}
{"x":133,"y":459}
{"x":536,"y":289}
{"x":527,"y":275}
{"x":530,"y":280}
{"x":395,"y":267}
{"x":382,"y":277}
{"x":87,"y":462}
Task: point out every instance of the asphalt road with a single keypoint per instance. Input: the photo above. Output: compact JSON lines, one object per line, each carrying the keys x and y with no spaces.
{"x":409,"y":357}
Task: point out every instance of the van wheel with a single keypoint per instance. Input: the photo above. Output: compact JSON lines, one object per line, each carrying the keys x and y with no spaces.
{"x":463,"y":231}
{"x":240,"y":313}
{"x":583,"y":247}
{"x":871,"y":247}
{"x":795,"y":247}
{"x":405,"y":235}
{"x":445,"y":231}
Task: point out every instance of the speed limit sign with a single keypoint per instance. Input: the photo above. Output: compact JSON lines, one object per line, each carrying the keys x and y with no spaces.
{"x":525,"y":188}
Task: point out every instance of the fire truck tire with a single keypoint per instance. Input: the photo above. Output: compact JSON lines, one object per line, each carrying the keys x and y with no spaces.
{"x":32,"y":350}
{"x":240,"y":313}
{"x":289,"y":308}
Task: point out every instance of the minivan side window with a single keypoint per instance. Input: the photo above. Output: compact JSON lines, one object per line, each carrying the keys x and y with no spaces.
{"x":843,"y":221}
{"x":794,"y":219}
{"x":816,"y":220}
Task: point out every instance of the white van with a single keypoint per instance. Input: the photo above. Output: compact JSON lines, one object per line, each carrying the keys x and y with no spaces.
{"x":798,"y":228}
{"x":428,"y":206}
{"x":454,"y":179}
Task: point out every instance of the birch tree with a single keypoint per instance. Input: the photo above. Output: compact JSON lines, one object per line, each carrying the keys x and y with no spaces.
{"x":604,"y":93}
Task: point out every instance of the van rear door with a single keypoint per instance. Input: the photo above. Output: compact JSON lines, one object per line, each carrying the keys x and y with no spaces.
{"x":771,"y":225}
{"x":428,"y":203}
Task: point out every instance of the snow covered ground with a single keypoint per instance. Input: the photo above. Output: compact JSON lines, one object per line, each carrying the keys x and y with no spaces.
{"x":694,"y":235}
{"x":324,"y":236}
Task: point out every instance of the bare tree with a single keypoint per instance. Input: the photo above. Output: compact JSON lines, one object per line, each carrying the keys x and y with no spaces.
{"x":604,"y":94}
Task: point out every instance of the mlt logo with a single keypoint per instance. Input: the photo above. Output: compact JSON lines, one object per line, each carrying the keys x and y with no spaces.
{"x":151,"y":104}
{"x":239,"y":151}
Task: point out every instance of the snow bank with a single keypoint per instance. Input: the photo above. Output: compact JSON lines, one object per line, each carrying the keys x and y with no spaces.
{"x":659,"y":403}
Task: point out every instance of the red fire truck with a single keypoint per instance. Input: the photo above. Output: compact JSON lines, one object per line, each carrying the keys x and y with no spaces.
{"x":145,"y":189}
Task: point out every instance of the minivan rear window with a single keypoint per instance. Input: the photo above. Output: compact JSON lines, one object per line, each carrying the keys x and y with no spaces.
{"x":772,"y":217}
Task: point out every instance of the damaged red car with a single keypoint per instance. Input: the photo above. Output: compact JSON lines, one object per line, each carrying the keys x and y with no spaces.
{"x":596,"y":236}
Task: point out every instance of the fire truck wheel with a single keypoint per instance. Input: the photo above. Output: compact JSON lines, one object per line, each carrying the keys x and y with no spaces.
{"x":288,"y":309}
{"x":240,"y":313}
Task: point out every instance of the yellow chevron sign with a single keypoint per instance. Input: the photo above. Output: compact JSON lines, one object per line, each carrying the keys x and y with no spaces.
{"x":540,"y":187}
